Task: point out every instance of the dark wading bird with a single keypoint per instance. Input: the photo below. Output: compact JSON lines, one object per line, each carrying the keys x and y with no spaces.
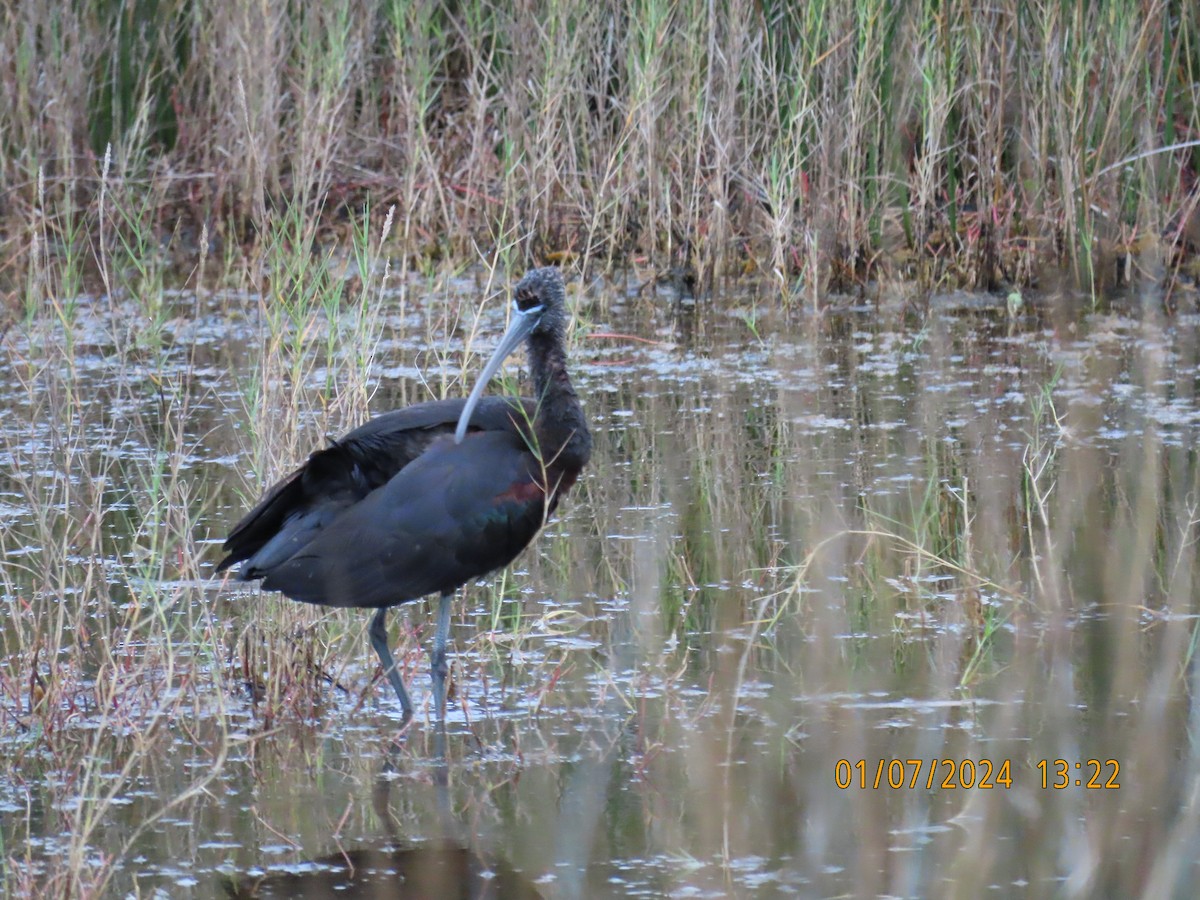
{"x":410,"y":504}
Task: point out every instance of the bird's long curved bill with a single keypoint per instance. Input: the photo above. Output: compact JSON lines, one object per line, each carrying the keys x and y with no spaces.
{"x":518,"y":329}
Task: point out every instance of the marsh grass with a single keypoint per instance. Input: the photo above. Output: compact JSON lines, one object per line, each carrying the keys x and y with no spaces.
{"x":821,"y":145}
{"x":761,"y":555}
{"x":101,"y":625}
{"x":990,"y":554}
{"x":778,"y":533}
{"x":104,"y":571}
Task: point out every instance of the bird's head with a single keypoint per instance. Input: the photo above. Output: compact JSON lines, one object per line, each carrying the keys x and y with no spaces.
{"x":540,"y":297}
{"x":539,"y":309}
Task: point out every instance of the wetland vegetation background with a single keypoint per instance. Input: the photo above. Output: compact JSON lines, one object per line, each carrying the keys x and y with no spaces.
{"x":885,"y":321}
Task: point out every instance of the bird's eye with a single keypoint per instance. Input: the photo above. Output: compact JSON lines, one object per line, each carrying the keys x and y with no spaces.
{"x":526,"y":303}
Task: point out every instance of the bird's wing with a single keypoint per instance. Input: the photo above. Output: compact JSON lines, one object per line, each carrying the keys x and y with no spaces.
{"x":343,"y":474}
{"x":457,"y":513}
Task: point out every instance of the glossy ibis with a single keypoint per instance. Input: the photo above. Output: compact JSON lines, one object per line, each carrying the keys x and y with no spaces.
{"x":409,"y":504}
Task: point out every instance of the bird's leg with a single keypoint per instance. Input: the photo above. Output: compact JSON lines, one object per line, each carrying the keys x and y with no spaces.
{"x":380,"y":642}
{"x":438,"y":669}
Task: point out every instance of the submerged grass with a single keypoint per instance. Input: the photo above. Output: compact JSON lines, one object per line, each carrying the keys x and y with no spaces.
{"x":106,"y":632}
{"x":787,"y":547}
{"x":100,"y":623}
{"x":820,"y":144}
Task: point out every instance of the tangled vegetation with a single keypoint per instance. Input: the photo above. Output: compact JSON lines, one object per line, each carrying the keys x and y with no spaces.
{"x":820,"y":145}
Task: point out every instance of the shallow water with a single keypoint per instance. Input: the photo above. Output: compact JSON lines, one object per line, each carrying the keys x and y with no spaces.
{"x":804,"y":546}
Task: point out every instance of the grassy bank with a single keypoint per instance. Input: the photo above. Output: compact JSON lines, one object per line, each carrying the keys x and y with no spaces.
{"x":819,"y":144}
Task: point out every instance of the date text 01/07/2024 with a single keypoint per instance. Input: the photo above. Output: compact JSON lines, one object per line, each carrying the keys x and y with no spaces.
{"x":968,"y":774}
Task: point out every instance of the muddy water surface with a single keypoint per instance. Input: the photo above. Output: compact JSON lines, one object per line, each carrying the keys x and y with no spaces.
{"x":868,"y":603}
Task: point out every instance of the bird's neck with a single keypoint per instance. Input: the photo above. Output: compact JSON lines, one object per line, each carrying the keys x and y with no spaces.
{"x":560,"y":424}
